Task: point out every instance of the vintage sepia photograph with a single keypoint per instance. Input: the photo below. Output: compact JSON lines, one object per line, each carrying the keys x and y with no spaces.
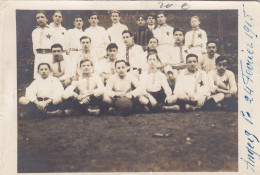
{"x":127,"y":90}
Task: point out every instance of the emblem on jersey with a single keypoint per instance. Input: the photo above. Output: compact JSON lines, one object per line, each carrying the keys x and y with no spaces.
{"x":201,"y":83}
{"x":62,"y":33}
{"x":199,"y":35}
{"x":226,"y":82}
{"x":48,"y":36}
{"x":168,"y":33}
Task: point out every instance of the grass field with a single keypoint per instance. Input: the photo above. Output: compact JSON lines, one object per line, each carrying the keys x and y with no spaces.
{"x":197,"y":141}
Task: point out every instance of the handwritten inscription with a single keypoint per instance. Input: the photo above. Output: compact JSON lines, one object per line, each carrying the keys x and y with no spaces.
{"x":247,"y":73}
{"x":167,"y":5}
{"x":184,"y":6}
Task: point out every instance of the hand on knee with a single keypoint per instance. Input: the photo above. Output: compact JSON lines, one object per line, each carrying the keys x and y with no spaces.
{"x":24,"y":101}
{"x":143,"y":100}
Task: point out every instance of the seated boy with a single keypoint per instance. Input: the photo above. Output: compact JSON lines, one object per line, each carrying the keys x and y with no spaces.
{"x":223,"y":87}
{"x":44,"y":94}
{"x":85,"y":94}
{"x":154,"y":86}
{"x":191,"y":86}
{"x":121,"y":84}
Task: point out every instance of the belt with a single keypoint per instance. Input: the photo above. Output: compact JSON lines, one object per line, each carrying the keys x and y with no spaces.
{"x":43,"y":51}
{"x":42,"y":99}
{"x":73,"y":49}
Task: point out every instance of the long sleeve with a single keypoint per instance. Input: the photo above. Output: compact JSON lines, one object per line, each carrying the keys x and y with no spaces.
{"x":58,"y":91}
{"x":109,"y":86}
{"x":165,"y":85}
{"x":34,"y":42}
{"x":138,"y":90}
{"x":100,"y":87}
{"x":69,"y":91}
{"x":67,"y":72}
{"x":178,"y":89}
{"x":31,"y":91}
{"x":212,"y":86}
{"x":232,"y":83}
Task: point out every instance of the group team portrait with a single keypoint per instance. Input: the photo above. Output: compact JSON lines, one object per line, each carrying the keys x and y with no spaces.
{"x":124,"y":90}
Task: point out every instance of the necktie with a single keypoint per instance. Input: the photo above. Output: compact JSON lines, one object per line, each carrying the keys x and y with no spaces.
{"x":87,"y":83}
{"x":127,"y":53}
{"x":59,"y":66}
{"x":181,"y":55}
{"x":41,"y":35}
{"x":193,"y":37}
{"x":112,"y":69}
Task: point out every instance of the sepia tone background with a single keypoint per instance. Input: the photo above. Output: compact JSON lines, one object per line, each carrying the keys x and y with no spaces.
{"x":197,"y":141}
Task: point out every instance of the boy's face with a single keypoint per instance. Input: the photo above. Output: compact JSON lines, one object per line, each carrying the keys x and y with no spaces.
{"x":150,"y":20}
{"x":222,"y":66}
{"x":85,"y":44}
{"x":194,"y":22}
{"x":152,"y":61}
{"x":86,"y":67}
{"x":140,"y":21}
{"x":57,"y":18}
{"x":152,"y":43}
{"x":112,"y":52}
{"x":115,"y":17}
{"x":44,"y":71}
{"x":78,"y":22}
{"x":128,"y":40}
{"x":121,"y":69}
{"x":93,"y":20}
{"x":192,"y":64}
{"x":161,"y":19}
{"x":41,"y":19}
{"x":56,"y":52}
{"x":178,"y":37}
{"x":211,"y":48}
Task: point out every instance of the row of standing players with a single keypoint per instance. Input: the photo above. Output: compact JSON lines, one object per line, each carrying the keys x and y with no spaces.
{"x":144,"y":78}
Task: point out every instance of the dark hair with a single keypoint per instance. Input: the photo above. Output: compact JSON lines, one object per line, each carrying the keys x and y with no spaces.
{"x":140,"y":16}
{"x":221,"y":58}
{"x":195,"y":17}
{"x":85,"y":60}
{"x":47,"y":64}
{"x":92,"y":14}
{"x":153,"y":53}
{"x":162,"y":12}
{"x":154,"y":38}
{"x":151,"y":50}
{"x":77,"y":16}
{"x":215,"y":42}
{"x":178,"y":30}
{"x":127,"y":31}
{"x":111,"y":46}
{"x":57,"y":45}
{"x":57,"y":11}
{"x":151,"y":14}
{"x":85,"y":37}
{"x":191,"y":55}
{"x":119,"y":61}
{"x":41,"y":11}
{"x":115,"y":11}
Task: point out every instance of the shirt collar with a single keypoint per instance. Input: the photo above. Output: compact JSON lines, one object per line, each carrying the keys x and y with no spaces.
{"x":116,"y":24}
{"x":164,"y":25}
{"x":196,"y":28}
{"x":186,"y":72}
{"x":56,"y":61}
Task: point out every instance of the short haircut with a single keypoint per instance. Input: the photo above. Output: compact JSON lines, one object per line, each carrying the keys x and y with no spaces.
{"x":77,"y":16}
{"x":153,"y":38}
{"x":47,"y":64}
{"x":151,"y":14}
{"x":140,"y":16}
{"x":153,"y":53}
{"x":85,"y":60}
{"x":57,"y":45}
{"x":85,"y":37}
{"x":176,"y":29}
{"x":195,"y":17}
{"x":92,"y":14}
{"x":127,"y":31}
{"x":120,"y":61}
{"x":57,"y":11}
{"x":221,"y":58}
{"x":191,"y":55}
{"x":112,"y":46}
{"x":41,"y":11}
{"x":215,"y":42}
{"x":162,"y":12}
{"x":115,"y":11}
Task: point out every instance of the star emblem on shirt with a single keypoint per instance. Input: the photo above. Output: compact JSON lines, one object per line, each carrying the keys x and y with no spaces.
{"x":226,"y":82}
{"x":199,"y":35}
{"x":48,"y":36}
{"x":62,"y":33}
{"x":168,"y":33}
{"x":201,"y":83}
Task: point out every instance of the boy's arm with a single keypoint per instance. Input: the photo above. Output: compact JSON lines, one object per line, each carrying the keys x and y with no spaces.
{"x":58,"y":91}
{"x":34,"y":42}
{"x":31,"y":91}
{"x":109,"y":87}
{"x":100,"y":87}
{"x":69,"y":91}
{"x":232,"y":83}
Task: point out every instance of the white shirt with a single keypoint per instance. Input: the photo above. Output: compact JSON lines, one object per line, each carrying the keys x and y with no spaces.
{"x":154,"y":82}
{"x":193,"y":85}
{"x":200,"y":39}
{"x":50,"y":87}
{"x":91,"y":56}
{"x":115,"y":33}
{"x":72,"y":38}
{"x":175,"y":53}
{"x":42,"y":38}
{"x":116,"y":84}
{"x":226,"y":81}
{"x":59,"y":34}
{"x":85,"y":85}
{"x":164,"y":34}
{"x":137,"y":57}
{"x":207,"y":64}
{"x":98,"y":35}
{"x":106,"y":66}
{"x":65,"y":68}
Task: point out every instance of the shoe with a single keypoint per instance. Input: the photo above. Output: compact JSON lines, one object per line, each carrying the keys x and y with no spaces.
{"x":146,"y":109}
{"x":111,"y":109}
{"x":218,"y":105}
{"x":172,"y":108}
{"x":68,"y":111}
{"x":190,"y":107}
{"x":53,"y":113}
{"x":95,"y":112}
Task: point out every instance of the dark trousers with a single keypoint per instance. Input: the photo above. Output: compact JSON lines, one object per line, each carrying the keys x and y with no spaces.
{"x":160,"y":98}
{"x":182,"y":104}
